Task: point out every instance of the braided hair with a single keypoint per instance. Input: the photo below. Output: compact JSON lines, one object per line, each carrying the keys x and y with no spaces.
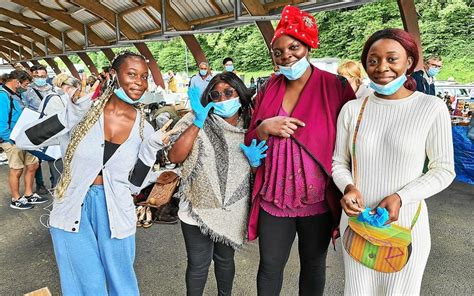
{"x":91,"y":117}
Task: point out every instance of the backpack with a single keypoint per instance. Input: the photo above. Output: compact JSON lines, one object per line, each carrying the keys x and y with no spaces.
{"x":12,"y":107}
{"x":46,"y":101}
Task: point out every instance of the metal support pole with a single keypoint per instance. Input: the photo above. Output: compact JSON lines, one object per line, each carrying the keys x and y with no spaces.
{"x":186,"y":58}
{"x":32,"y":45}
{"x":10,"y":54}
{"x":237,"y":9}
{"x":46,"y":46}
{"x":117,"y":28}
{"x":19,"y":52}
{"x":86,"y":39}
{"x":164,"y":25}
{"x":63,"y":41}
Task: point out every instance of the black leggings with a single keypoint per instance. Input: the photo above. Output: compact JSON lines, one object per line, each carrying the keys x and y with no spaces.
{"x":276,"y":236}
{"x":201,"y":251}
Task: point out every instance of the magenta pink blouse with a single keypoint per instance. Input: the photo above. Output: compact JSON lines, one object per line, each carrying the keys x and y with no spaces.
{"x":294,"y":183}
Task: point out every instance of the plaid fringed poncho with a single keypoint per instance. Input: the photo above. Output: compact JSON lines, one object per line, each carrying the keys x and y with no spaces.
{"x":215,"y":180}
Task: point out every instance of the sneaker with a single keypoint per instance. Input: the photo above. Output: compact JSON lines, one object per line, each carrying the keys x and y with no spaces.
{"x":41,"y":189}
{"x":36,"y":199}
{"x":21,"y":204}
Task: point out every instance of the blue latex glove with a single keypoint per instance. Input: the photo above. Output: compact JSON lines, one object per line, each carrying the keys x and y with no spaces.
{"x":377,"y":219}
{"x":254,"y":152}
{"x":200,"y":111}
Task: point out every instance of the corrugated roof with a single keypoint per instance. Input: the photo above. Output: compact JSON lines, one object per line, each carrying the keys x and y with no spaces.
{"x":56,"y":42}
{"x":154,"y":13}
{"x":76,"y":37}
{"x":104,"y":31}
{"x":7,"y":4}
{"x":50,"y":4}
{"x":140,"y":21}
{"x":84,"y":16}
{"x":60,"y":26}
{"x":15,"y":22}
{"x":118,"y":6}
{"x":5,"y":30}
{"x":31,"y":14}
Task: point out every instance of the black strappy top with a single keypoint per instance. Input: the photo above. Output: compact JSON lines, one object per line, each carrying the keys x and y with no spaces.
{"x":109,"y":150}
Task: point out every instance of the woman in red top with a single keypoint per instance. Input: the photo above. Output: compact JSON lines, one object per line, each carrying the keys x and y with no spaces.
{"x":296,"y":114}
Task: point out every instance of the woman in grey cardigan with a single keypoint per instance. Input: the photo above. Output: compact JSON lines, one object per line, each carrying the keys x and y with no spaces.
{"x":93,"y":219}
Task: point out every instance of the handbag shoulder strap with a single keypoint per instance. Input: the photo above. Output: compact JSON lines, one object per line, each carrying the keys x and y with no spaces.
{"x":354,"y":138}
{"x":46,"y":101}
{"x":354,"y":159}
{"x":415,"y":218}
{"x":37,"y":93}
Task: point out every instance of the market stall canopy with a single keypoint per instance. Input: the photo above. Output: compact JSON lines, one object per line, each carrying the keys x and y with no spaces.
{"x":41,"y":29}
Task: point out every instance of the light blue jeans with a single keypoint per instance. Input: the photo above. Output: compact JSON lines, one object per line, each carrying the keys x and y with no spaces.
{"x":89,"y":261}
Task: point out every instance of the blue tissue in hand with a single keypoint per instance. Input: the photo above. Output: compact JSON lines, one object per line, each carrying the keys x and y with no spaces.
{"x":377,"y":219}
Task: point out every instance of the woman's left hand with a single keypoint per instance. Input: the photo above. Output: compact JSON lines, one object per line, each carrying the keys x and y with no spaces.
{"x":255,"y":153}
{"x":392,"y":204}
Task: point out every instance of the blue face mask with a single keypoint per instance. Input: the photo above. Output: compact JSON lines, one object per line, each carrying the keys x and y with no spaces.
{"x":229,"y":68}
{"x":433,"y":71}
{"x":20,"y":90}
{"x":120,"y":93}
{"x":296,"y":70}
{"x":389,"y":88}
{"x":227,"y":108}
{"x":39,"y":81}
{"x":203,"y":72}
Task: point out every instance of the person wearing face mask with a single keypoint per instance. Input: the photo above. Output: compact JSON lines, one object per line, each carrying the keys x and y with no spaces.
{"x":352,"y":71}
{"x":404,"y":126}
{"x":293,"y":193}
{"x":110,"y":151}
{"x":425,"y":77}
{"x":65,"y":88}
{"x":37,"y":91}
{"x":202,"y":79}
{"x":228,"y":64}
{"x":215,"y":179}
{"x":19,"y":161}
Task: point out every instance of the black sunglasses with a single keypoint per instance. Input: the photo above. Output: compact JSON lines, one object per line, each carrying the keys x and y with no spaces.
{"x":215,"y":95}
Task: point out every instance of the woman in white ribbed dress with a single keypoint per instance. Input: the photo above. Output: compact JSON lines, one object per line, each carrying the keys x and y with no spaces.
{"x":399,"y":129}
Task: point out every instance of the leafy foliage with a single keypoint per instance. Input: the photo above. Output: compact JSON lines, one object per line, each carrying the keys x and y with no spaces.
{"x":445,"y":26}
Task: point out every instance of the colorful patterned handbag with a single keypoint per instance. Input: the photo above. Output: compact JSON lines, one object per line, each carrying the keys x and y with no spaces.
{"x":384,"y":249}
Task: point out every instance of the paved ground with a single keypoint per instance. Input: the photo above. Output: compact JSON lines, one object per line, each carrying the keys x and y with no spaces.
{"x":27,"y":261}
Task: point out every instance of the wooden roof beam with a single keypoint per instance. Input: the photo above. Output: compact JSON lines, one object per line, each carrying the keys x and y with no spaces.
{"x":38,"y":38}
{"x":23,"y":42}
{"x":215,"y":7}
{"x":6,"y":49}
{"x":62,"y":17}
{"x":39,"y":25}
{"x":107,"y":14}
{"x":175,"y":20}
{"x":254,"y":7}
{"x":132,"y":9}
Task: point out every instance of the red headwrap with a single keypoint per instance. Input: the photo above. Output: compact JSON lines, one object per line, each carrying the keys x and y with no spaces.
{"x":297,"y":24}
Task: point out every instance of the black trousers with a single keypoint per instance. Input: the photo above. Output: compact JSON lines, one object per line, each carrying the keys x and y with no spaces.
{"x":201,"y":250}
{"x":276,"y":236}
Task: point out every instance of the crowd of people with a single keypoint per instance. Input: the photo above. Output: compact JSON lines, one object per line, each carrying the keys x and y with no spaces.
{"x":275,"y":165}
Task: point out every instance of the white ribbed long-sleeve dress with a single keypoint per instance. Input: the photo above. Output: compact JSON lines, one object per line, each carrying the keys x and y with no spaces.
{"x":394,"y":138}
